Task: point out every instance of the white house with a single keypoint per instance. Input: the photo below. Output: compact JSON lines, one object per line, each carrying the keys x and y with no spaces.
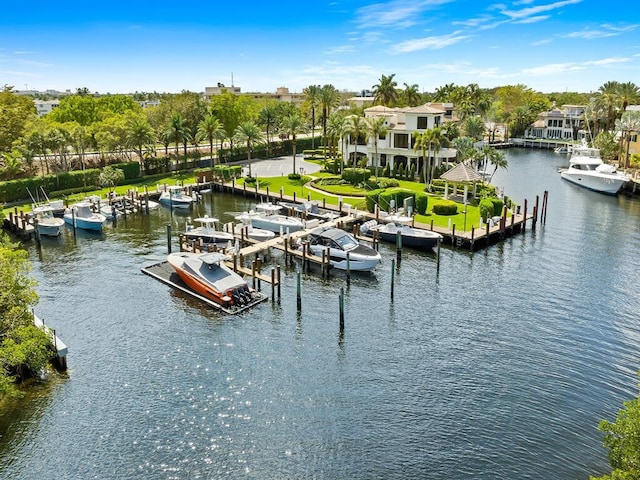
{"x":44,"y":107}
{"x":558,"y":124}
{"x":397,"y":147}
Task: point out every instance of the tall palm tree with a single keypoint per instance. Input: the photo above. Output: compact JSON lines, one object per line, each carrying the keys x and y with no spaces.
{"x":629,"y":123}
{"x":474,"y":127}
{"x":411,"y":95}
{"x":312,"y":96}
{"x":177,"y":129}
{"x":628,"y":94}
{"x":293,"y":124}
{"x":248,"y":133}
{"x":607,"y":101}
{"x":268,"y":119}
{"x":384,"y":92}
{"x":335,"y":131}
{"x":139,"y":133}
{"x":444,"y":93}
{"x":432,"y":140}
{"x":499,"y":161}
{"x":355,"y":126}
{"x":209,"y":128}
{"x":329,"y":99}
{"x":376,"y":128}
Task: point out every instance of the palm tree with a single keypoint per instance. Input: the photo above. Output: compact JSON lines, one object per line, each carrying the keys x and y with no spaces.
{"x":628,"y":94}
{"x":444,"y":93}
{"x":335,"y":131}
{"x":499,"y":161}
{"x":139,"y":133}
{"x":248,"y":133}
{"x":411,"y":96}
{"x":177,"y":129}
{"x":607,"y":102}
{"x":209,"y":128}
{"x":431,"y":140}
{"x":385,"y":92}
{"x":312,"y":96}
{"x":293,"y":124}
{"x":354,"y":127}
{"x":626,"y":125}
{"x":474,"y":127}
{"x":268,"y":119}
{"x":329,"y":98}
{"x":376,"y":128}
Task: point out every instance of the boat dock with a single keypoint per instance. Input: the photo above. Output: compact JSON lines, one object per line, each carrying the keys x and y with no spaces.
{"x":59,"y":347}
{"x":18,"y":223}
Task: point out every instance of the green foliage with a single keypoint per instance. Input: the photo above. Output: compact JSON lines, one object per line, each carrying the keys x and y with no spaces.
{"x":382,"y":182}
{"x":387,"y":171}
{"x":422,"y":202}
{"x":131,"y":170}
{"x":15,"y":111}
{"x":622,"y":439}
{"x":486,"y":209}
{"x":294,"y":176}
{"x":228,"y":172}
{"x":111,"y":176}
{"x":497,"y":206}
{"x":396,"y":194}
{"x":16,"y":190}
{"x":372,"y":199}
{"x":355,"y":176}
{"x":445,"y":207}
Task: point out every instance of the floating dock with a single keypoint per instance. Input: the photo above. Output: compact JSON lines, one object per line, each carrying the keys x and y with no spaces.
{"x":166,"y":274}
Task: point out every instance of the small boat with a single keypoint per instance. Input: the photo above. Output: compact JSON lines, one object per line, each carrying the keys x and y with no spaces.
{"x":310,"y":210}
{"x":84,"y":216}
{"x":266,"y":217}
{"x":208,"y":232}
{"x":207,"y":275}
{"x":411,"y":237}
{"x":175,"y":196}
{"x":561,"y":149}
{"x":245,"y":228}
{"x":587,"y":170}
{"x":47,"y":224}
{"x":340,"y":243}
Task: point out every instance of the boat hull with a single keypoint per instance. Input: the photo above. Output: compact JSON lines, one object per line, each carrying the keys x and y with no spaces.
{"x":277,"y":223}
{"x":607,"y":184}
{"x":50,"y":230}
{"x":84,"y":223}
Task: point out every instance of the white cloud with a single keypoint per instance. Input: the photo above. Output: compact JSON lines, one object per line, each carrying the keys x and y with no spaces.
{"x":339,"y":50}
{"x":533,"y":11}
{"x":534,"y":19}
{"x":560,"y":68}
{"x":396,"y":13}
{"x":430,"y":43}
{"x":605,"y":31}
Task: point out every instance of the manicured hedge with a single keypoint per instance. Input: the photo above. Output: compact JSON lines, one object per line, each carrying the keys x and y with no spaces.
{"x":356,"y":175}
{"x":131,"y":170}
{"x":16,"y":190}
{"x":486,"y":209}
{"x":372,"y":199}
{"x":445,"y":207}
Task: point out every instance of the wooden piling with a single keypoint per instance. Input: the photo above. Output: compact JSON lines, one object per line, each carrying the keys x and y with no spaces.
{"x":399,"y":246}
{"x":278,"y":279}
{"x":348,"y":269}
{"x":341,"y":304}
{"x":298,"y":294}
{"x":438,"y":257}
{"x":393,"y":276}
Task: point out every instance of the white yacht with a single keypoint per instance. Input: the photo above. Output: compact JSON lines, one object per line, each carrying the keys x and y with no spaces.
{"x":340,"y":243}
{"x":266,"y":217}
{"x":587,"y":169}
{"x":209,"y":232}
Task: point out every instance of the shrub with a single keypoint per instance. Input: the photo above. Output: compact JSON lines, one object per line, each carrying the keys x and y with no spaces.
{"x":372,"y":199}
{"x":131,"y":170}
{"x":486,"y":209}
{"x":355,"y":176}
{"x":445,"y":207}
{"x":422,"y":202}
{"x":397,"y":195}
{"x":293,"y":176}
{"x":250,"y":180}
{"x":497,"y":206}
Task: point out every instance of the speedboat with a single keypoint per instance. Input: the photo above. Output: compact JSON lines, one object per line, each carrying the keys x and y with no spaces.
{"x":310,"y":209}
{"x":411,"y":237}
{"x":175,"y":196}
{"x":561,"y":149}
{"x":207,"y":275}
{"x":245,"y":228}
{"x":47,"y":223}
{"x":208,"y":233}
{"x":84,"y":217}
{"x":266,"y":217}
{"x":340,"y":243}
{"x":587,"y":170}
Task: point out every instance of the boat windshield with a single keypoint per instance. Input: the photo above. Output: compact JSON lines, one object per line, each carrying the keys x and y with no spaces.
{"x":346,"y":242}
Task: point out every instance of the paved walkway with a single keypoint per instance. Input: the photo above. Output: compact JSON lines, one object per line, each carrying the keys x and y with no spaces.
{"x":276,"y":167}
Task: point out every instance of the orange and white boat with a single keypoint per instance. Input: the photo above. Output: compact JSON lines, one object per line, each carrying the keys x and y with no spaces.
{"x":205,"y":274}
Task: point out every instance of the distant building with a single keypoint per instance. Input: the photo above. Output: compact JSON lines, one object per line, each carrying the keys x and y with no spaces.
{"x":43,"y":107}
{"x":397,"y":146}
{"x":564,"y":123}
{"x":282,"y":94}
{"x":634,"y":144}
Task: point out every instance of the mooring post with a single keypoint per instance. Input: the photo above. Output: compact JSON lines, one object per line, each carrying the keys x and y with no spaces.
{"x":546,"y":201}
{"x":36,"y":231}
{"x":524,"y":217}
{"x":298,"y":294}
{"x":341,"y":303}
{"x":278,"y":280}
{"x":348,"y":269}
{"x":438,"y":257}
{"x":473,"y":229}
{"x":73,"y":221}
{"x":399,"y":246}
{"x":393,"y":276}
{"x":273,"y":284}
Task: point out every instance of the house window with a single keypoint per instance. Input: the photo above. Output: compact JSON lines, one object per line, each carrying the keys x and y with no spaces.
{"x":436,"y":121}
{"x":401,"y":140}
{"x":422,"y":123}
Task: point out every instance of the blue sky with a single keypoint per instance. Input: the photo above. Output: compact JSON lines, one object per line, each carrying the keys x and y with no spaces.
{"x":122,"y":47}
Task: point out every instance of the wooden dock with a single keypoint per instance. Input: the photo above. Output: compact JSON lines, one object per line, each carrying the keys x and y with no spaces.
{"x":59,"y":347}
{"x":19,"y":224}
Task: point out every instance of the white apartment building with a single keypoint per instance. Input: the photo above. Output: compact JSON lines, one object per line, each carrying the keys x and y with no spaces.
{"x":43,"y":107}
{"x":397,"y":147}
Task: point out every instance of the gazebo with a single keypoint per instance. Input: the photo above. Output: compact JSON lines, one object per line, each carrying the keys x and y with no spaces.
{"x":460,"y":174}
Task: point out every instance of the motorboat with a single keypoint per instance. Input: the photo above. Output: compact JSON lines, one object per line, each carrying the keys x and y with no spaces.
{"x":266,"y":216}
{"x":587,"y":170}
{"x":340,"y":243}
{"x":245,"y":228}
{"x":47,"y":224}
{"x":411,"y":237}
{"x":208,"y":232}
{"x":174,"y":196}
{"x":207,"y":275}
{"x":81,"y":215}
{"x":562,"y":149}
{"x":309,"y":209}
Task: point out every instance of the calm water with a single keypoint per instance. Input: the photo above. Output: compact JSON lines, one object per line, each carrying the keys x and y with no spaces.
{"x":500,"y":367}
